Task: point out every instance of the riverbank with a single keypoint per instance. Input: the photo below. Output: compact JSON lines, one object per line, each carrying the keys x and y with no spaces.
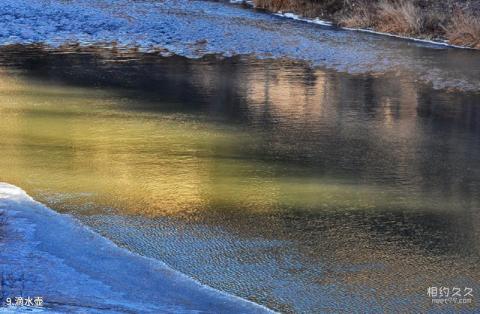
{"x":71,"y":269}
{"x":453,"y":22}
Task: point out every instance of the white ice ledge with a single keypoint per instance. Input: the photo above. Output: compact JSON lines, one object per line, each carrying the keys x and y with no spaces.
{"x":44,"y":253}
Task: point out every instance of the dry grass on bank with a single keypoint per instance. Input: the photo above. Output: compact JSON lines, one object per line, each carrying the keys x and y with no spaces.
{"x":361,"y":15}
{"x":464,"y":30}
{"x":457,"y":21}
{"x":400,"y":17}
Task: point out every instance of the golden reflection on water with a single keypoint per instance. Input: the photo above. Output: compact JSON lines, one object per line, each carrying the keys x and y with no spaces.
{"x":80,"y":145}
{"x":72,"y":140}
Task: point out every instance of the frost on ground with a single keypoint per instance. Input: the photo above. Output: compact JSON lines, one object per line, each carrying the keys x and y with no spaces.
{"x":194,"y":28}
{"x":74,"y":270}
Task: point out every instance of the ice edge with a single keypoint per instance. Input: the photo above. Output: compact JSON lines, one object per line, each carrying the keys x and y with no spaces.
{"x":12,"y":192}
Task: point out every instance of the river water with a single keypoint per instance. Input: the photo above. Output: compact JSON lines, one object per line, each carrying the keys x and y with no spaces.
{"x":299,"y":188}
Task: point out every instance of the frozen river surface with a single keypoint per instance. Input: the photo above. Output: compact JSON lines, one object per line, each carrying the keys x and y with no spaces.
{"x":195,"y":28}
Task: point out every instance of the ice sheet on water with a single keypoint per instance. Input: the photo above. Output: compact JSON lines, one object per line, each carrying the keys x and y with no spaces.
{"x":195,"y":28}
{"x":47,"y":254}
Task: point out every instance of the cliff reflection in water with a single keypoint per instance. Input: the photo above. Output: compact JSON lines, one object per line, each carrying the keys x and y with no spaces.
{"x":315,"y":181}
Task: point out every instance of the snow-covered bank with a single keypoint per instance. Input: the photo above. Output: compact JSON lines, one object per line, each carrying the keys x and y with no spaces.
{"x":195,"y":28}
{"x":50,"y":255}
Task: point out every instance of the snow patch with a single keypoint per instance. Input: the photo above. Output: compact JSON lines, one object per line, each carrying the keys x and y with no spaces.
{"x":297,"y":17}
